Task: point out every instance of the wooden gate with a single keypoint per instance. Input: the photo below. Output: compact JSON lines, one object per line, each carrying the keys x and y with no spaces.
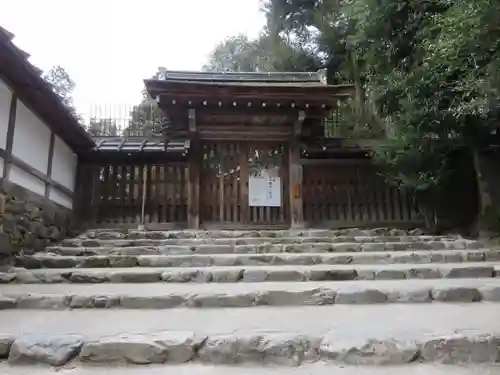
{"x":224,"y":184}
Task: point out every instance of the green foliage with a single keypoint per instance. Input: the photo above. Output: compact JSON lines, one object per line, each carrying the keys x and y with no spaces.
{"x":63,"y":85}
{"x":146,"y":116}
{"x":431,"y":68}
{"x":102,"y":127}
{"x":418,"y":168}
{"x":321,"y":28}
{"x":265,"y":54}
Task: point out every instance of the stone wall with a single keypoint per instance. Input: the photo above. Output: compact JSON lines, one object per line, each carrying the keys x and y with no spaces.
{"x":28,"y":221}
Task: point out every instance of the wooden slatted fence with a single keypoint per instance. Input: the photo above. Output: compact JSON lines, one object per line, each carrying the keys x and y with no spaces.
{"x":334,"y":193}
{"x":114,"y":193}
{"x":352,"y":194}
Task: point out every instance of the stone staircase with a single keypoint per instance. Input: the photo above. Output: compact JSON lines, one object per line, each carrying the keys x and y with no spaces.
{"x":216,"y":302}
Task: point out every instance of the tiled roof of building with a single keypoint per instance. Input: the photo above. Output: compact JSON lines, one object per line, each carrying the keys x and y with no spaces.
{"x":138,"y":144}
{"x":318,"y":77}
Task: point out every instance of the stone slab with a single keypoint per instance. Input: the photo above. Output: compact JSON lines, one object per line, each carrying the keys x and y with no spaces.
{"x":42,"y":260}
{"x":242,"y":298}
{"x":173,"y":234}
{"x":220,"y":295}
{"x":318,"y":368}
{"x":257,"y":348}
{"x":274,"y":246}
{"x":55,"y":350}
{"x":343,"y":322}
{"x":155,"y":289}
{"x":140,"y":349}
{"x":284,"y":273}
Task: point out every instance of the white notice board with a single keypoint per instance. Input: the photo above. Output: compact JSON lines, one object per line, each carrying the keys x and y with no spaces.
{"x":264,"y":190}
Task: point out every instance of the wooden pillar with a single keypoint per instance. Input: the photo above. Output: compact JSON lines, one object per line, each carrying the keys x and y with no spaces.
{"x":244,"y":206}
{"x":194,"y":169}
{"x":296,"y":206}
{"x":85,"y":201}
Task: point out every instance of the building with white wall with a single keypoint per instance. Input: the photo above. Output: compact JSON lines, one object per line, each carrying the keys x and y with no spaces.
{"x":40,"y":140}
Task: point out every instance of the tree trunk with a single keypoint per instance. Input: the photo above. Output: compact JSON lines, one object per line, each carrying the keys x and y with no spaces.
{"x":484,"y":201}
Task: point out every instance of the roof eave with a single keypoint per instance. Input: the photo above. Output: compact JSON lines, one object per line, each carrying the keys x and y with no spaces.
{"x":156,"y":88}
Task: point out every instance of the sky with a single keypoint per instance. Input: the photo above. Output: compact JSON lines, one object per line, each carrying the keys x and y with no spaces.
{"x":109,"y":46}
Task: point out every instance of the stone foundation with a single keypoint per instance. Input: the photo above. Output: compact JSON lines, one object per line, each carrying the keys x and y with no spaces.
{"x":28,"y":221}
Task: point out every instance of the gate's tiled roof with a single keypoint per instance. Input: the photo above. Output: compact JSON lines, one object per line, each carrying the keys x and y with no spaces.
{"x":299,"y":83}
{"x":138,"y":144}
{"x":318,"y":77}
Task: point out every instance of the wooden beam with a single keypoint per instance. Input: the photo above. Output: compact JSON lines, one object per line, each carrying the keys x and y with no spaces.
{"x":297,"y":127}
{"x":221,"y":190}
{"x":15,"y":161}
{"x":336,"y":161}
{"x":7,"y":154}
{"x":194,"y":169}
{"x":199,"y":92}
{"x":50,"y":161}
{"x":244,"y":176}
{"x":296,"y":209}
{"x":296,"y":204}
{"x":192,"y":120}
{"x":253,"y":102}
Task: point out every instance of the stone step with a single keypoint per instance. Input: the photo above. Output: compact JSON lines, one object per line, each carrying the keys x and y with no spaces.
{"x":232,"y":274}
{"x":306,"y":369}
{"x":323,"y":247}
{"x":189,"y":234}
{"x":403,"y":334}
{"x":48,"y":260}
{"x":96,"y":242}
{"x":167,"y":296}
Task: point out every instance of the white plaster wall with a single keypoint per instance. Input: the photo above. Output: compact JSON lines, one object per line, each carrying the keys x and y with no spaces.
{"x":64,"y":164}
{"x":5,"y":99}
{"x":24,"y":179}
{"x":31,"y":145}
{"x":61,"y":198}
{"x":31,"y":139}
{"x":2,"y":163}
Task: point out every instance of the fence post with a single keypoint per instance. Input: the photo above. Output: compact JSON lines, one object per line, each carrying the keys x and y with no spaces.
{"x":194,"y":167}
{"x":296,"y":204}
{"x":144,"y":196}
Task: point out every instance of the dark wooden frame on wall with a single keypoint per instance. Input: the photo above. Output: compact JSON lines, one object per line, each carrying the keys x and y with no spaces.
{"x":15,"y":161}
{"x":12,"y":160}
{"x":7,"y":153}
{"x":50,"y":163}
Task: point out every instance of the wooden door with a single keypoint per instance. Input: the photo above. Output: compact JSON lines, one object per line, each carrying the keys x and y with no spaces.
{"x":224,"y":186}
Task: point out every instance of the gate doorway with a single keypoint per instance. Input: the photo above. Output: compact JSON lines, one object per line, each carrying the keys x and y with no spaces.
{"x":244,"y":184}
